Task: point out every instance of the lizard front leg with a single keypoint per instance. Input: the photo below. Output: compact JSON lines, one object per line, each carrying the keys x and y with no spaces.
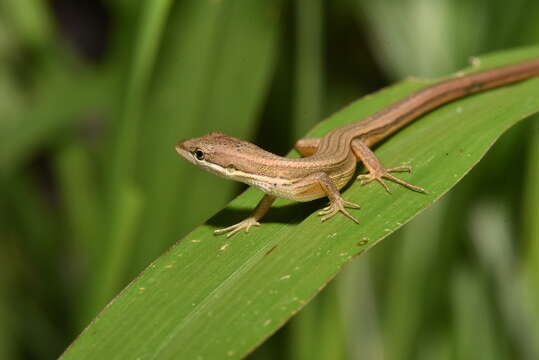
{"x":377,"y":171}
{"x":336,"y":201}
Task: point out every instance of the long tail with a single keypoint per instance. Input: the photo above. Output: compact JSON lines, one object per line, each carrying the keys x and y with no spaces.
{"x":394,"y":117}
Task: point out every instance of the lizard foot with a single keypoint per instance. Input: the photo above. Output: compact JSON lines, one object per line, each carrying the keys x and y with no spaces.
{"x":336,"y":206}
{"x":242,"y":225}
{"x":382,"y":173}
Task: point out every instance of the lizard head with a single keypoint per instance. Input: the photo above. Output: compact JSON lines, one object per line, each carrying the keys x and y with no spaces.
{"x":222,"y":155}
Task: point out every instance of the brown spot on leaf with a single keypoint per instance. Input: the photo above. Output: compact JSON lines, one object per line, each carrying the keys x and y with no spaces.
{"x":270,"y":250}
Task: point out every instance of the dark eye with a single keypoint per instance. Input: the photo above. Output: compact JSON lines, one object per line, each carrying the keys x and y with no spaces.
{"x":199,"y":154}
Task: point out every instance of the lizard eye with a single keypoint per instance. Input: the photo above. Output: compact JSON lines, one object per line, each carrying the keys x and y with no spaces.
{"x":199,"y":154}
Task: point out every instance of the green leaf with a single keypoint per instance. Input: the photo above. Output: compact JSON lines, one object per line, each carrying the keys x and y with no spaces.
{"x":210,"y":297}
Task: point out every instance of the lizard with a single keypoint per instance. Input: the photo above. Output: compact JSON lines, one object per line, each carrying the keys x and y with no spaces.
{"x":329,"y":163}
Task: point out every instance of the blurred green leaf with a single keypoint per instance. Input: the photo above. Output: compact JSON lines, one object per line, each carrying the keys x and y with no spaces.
{"x":212,"y":297}
{"x":110,"y":272}
{"x":56,"y":102}
{"x":530,"y":216}
{"x":124,"y":198}
{"x":411,"y":272}
{"x":31,"y":20}
{"x":28,"y":209}
{"x":496,"y":250}
{"x":80,"y":197}
{"x":361,"y":309}
{"x":317,"y":332}
{"x":11,"y":100}
{"x":7,"y":318}
{"x":309,"y":68}
{"x":473,"y":316}
{"x":418,"y":37}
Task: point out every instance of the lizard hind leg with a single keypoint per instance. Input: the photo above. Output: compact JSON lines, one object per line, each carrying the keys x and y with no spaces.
{"x":377,"y":171}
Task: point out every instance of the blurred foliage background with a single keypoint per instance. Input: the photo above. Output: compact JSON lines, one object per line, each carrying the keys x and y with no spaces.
{"x":94,"y":94}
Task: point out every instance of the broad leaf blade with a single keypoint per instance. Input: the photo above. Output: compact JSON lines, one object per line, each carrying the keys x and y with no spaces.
{"x":209,"y":297}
